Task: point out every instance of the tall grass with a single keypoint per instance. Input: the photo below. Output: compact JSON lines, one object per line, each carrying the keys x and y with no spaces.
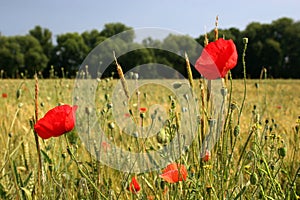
{"x":256,"y":157}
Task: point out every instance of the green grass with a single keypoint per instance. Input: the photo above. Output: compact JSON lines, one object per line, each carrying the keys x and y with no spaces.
{"x":247,"y":165}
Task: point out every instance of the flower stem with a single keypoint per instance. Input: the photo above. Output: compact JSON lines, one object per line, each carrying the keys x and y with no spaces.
{"x":81,"y":171}
{"x":38,"y":149}
{"x":244,"y":72}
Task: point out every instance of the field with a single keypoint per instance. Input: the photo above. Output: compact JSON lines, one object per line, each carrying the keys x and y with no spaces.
{"x":256,"y":155}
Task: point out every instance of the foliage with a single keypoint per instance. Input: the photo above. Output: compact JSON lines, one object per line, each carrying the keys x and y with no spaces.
{"x":272,"y":46}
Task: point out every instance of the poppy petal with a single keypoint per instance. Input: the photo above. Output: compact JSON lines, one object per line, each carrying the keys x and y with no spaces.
{"x":217,"y":58}
{"x":56,"y":122}
{"x":171,"y":173}
{"x":134,"y":186}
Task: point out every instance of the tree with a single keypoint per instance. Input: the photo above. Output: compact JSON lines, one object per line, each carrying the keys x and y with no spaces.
{"x":292,"y":57}
{"x":11,"y":56}
{"x":112,"y":29}
{"x":21,"y":54}
{"x":69,"y":53}
{"x":271,"y":56}
{"x":34,"y":58}
{"x":44,"y":36}
{"x":92,"y":38}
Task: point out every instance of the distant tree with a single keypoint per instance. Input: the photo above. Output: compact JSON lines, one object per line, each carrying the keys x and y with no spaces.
{"x":274,"y":46}
{"x":69,"y":53}
{"x":271,"y":56}
{"x":136,"y":58}
{"x":21,"y":54}
{"x":34,"y":58}
{"x":92,"y":38}
{"x":11,"y":57}
{"x":292,"y":54}
{"x":257,"y":34}
{"x":44,"y":36}
{"x":112,"y":29}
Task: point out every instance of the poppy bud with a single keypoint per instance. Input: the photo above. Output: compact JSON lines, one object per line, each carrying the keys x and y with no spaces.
{"x":109,"y":105}
{"x":208,"y":189}
{"x":64,"y":155}
{"x":31,"y":122}
{"x":18,"y":94}
{"x":162,"y":136}
{"x":253,"y":178}
{"x":233,"y":106}
{"x":111,"y":125}
{"x":88,"y":110}
{"x":20,"y":105}
{"x":173,"y":104}
{"x":282,"y":152}
{"x":245,"y":40}
{"x":224,"y":91}
{"x":142,"y":115}
{"x":236,"y":130}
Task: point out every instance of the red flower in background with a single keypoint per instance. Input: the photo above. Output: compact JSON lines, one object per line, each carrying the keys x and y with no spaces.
{"x":105,"y":146}
{"x":174,"y":173}
{"x":134,"y":186}
{"x":4,"y":95}
{"x":127,"y":115}
{"x":206,"y":157}
{"x":216,"y":59}
{"x":143,"y":109}
{"x":56,"y":122}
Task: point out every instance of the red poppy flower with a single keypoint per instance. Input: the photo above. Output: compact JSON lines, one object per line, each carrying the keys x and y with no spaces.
{"x":4,"y":95}
{"x":278,"y":107}
{"x":216,"y":59}
{"x":127,"y":115}
{"x":134,"y":186}
{"x":174,"y":173}
{"x":105,"y":146}
{"x":206,"y":157}
{"x":56,"y":122}
{"x":143,"y":109}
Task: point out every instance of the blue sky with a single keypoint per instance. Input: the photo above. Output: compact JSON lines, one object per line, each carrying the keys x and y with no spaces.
{"x":190,"y":17}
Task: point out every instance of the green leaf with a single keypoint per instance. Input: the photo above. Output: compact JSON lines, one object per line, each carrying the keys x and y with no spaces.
{"x":47,"y":158}
{"x":27,"y":179}
{"x":27,"y":193}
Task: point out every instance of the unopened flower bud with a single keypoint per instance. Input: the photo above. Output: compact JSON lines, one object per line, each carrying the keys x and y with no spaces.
{"x":111,"y":125}
{"x":253,"y":178}
{"x":109,"y":105}
{"x":142,"y":115}
{"x":18,"y":94}
{"x":236,"y":130}
{"x":282,"y":152}
{"x":224,"y":91}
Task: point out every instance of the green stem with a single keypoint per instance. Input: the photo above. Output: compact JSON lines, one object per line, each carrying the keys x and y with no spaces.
{"x":81,"y":171}
{"x":245,"y":76}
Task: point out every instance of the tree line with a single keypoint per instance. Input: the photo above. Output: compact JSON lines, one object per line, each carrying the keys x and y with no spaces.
{"x":274,"y":46}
